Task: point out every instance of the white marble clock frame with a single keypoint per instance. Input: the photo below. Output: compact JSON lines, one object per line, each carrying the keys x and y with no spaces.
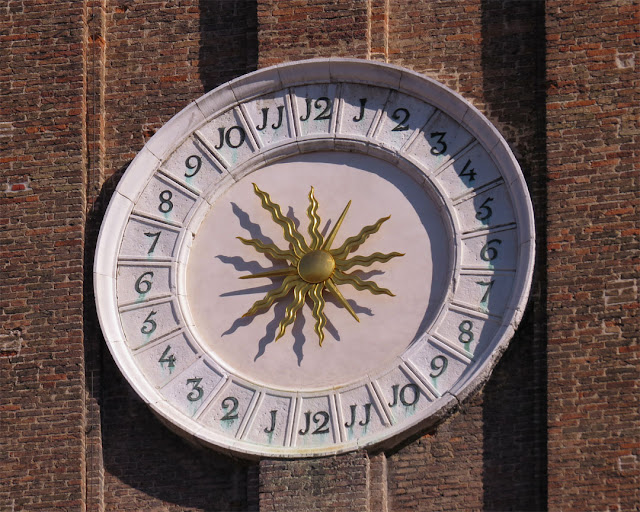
{"x":197,"y":410}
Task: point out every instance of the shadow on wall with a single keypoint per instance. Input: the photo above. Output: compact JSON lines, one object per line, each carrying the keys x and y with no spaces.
{"x":514,"y":411}
{"x":133,"y":461}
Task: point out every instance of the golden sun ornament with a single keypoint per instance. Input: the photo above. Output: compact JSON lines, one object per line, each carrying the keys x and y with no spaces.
{"x":313,"y":267}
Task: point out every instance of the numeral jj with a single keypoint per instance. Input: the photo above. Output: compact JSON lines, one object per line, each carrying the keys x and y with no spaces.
{"x":265,"y":114}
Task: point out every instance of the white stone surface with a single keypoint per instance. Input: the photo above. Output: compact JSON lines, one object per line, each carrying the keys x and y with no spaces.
{"x":402,"y":116}
{"x":487,"y":209}
{"x":144,"y":323}
{"x":194,"y":166}
{"x":438,"y":142}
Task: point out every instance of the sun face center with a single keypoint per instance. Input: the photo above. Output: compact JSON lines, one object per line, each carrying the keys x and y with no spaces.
{"x":316,"y":266}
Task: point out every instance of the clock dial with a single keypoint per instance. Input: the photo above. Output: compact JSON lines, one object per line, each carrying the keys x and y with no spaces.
{"x":253,"y":230}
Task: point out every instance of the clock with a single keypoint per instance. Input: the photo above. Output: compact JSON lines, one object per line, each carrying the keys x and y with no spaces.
{"x":314,"y":258}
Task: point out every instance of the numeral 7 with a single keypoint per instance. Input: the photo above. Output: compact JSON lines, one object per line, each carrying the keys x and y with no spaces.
{"x":489,"y":285}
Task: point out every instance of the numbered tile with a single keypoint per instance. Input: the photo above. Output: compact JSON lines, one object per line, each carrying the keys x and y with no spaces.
{"x":494,"y":250}
{"x":315,"y":108}
{"x":490,"y":208}
{"x":270,"y":118}
{"x":144,"y":238}
{"x":484,"y":291}
{"x":470,"y":170}
{"x":403,"y":395}
{"x":143,"y":325}
{"x":315,"y":422}
{"x":227,"y":412}
{"x":360,"y":413}
{"x":139,"y":283}
{"x":359,"y":106}
{"x":191,"y":388}
{"x":438,"y":142}
{"x":165,"y":200}
{"x":402,"y":116}
{"x":270,"y":422}
{"x":166,"y":359}
{"x":193,"y":165}
{"x":437,"y":364}
{"x":466,"y":332}
{"x":228,"y":138}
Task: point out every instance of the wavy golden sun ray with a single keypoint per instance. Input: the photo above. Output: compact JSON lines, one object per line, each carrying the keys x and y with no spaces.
{"x":318,"y":310}
{"x":343,"y":278}
{"x":352,"y":243}
{"x":314,"y":222}
{"x":299,"y":294}
{"x":288,"y":227}
{"x":314,"y":267}
{"x":273,"y":295}
{"x":365,"y":261}
{"x":269,"y":249}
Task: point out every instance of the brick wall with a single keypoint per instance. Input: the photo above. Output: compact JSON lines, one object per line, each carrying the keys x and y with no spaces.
{"x":86,"y":84}
{"x":593,"y":153}
{"x":42,"y":214}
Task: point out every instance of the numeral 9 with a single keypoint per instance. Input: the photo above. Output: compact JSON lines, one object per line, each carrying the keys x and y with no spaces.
{"x":438,"y":365}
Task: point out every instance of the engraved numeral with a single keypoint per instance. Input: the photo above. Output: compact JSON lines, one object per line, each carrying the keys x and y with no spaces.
{"x":323,"y":103}
{"x":488,"y":212}
{"x":490,"y":253}
{"x":149,"y":325}
{"x":272,"y":427}
{"x":402,"y":394}
{"x":470,"y":174}
{"x":265,"y":114}
{"x":489,"y":285}
{"x":466,"y":334}
{"x":168,"y":359}
{"x":165,"y":205}
{"x":442,"y":145}
{"x":362,"y":423}
{"x":321,"y":419}
{"x":196,"y":391}
{"x":156,"y":237}
{"x":402,"y":116}
{"x":193,"y":163}
{"x":360,"y":116}
{"x":143,"y":285}
{"x":227,"y":138}
{"x":233,"y":413}
{"x":439,"y":366}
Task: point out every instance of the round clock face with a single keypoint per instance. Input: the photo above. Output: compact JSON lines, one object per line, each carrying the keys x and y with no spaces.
{"x":315,"y":258}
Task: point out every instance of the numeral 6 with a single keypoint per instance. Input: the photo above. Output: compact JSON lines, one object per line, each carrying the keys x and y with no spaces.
{"x":490,"y":253}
